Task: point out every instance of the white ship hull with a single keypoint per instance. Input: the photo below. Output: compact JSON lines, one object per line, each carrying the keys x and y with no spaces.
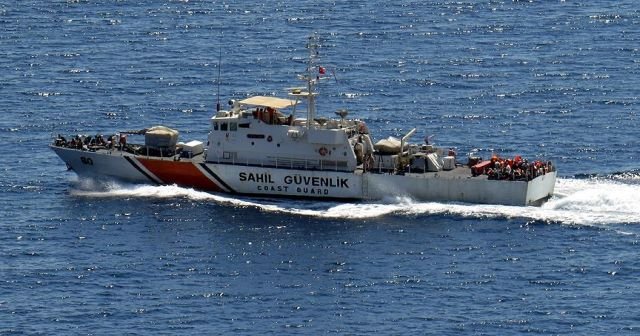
{"x":444,"y":186}
{"x":255,"y":148}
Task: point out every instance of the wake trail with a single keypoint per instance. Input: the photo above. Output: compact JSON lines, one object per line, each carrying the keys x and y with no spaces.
{"x":592,"y":201}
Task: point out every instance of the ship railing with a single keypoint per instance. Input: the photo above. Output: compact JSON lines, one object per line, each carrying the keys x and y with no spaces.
{"x":283,"y":162}
{"x":309,"y":164}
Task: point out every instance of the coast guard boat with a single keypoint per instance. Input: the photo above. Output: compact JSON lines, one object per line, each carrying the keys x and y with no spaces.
{"x":255,"y":148}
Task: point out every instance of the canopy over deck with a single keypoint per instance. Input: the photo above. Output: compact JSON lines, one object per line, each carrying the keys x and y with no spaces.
{"x":273,"y":102}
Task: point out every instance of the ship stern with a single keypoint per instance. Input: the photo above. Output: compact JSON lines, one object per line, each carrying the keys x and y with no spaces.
{"x":540,"y":189}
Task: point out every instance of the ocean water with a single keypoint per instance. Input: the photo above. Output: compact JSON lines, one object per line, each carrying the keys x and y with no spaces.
{"x":553,"y":80}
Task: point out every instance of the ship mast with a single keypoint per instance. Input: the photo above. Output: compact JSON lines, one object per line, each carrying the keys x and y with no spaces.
{"x":311,"y":82}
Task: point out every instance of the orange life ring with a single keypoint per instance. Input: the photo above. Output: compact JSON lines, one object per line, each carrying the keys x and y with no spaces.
{"x":323,"y":151}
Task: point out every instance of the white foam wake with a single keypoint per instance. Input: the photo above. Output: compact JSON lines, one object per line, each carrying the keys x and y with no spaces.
{"x":576,"y":201}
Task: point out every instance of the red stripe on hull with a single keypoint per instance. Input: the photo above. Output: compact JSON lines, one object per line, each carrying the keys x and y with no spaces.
{"x":184,"y":174}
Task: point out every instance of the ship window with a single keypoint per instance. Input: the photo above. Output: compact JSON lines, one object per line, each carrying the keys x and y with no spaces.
{"x":233,"y":126}
{"x":215,"y":126}
{"x":223,"y":126}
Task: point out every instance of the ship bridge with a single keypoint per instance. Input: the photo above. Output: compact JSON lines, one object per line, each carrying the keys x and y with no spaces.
{"x":256,"y":132}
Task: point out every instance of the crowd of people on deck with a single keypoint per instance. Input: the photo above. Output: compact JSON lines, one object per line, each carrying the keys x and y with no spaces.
{"x":86,"y":142}
{"x":272,"y":116}
{"x":516,"y":169}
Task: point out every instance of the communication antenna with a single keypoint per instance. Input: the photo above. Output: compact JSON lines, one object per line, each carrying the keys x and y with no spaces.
{"x":218,"y":81}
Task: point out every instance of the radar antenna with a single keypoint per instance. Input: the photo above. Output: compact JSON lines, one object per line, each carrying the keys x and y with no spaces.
{"x":343,"y":114}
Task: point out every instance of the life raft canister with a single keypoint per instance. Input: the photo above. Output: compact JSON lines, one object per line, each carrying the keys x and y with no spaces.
{"x":323,"y":151}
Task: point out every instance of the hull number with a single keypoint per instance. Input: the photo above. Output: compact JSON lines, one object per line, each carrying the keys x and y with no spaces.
{"x":86,"y":160}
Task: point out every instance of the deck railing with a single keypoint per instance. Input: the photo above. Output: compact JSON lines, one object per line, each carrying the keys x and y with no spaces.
{"x":281,"y":162}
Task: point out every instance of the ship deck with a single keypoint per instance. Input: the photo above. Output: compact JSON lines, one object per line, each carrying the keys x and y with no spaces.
{"x":459,"y":172}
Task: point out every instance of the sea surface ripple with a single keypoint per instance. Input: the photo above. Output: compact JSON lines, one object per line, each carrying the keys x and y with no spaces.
{"x":551,"y":80}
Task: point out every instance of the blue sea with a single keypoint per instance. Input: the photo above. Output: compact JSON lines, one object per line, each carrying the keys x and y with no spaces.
{"x":552,"y":80}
